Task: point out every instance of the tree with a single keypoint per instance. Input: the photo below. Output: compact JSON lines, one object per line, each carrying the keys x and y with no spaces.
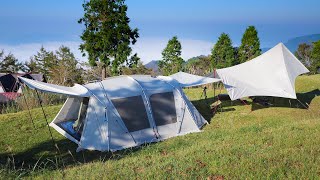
{"x":222,"y":54}
{"x":171,"y":57}
{"x":31,"y":66}
{"x":42,"y":62}
{"x":134,"y":60}
{"x":9,"y":64}
{"x":200,"y":65}
{"x":250,"y":45}
{"x":107,"y":36}
{"x":315,"y":58}
{"x":66,"y":72}
{"x":303,"y":53}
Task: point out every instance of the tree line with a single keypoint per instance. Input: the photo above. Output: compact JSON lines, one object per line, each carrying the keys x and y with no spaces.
{"x":107,"y":41}
{"x":61,"y":66}
{"x":309,"y":55}
{"x":223,"y":54}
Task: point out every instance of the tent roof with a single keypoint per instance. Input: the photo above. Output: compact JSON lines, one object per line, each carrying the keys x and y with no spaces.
{"x":270,"y":74}
{"x":189,"y":80}
{"x":76,"y":90}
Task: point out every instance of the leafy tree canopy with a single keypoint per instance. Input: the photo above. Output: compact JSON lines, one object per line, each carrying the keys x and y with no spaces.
{"x":223,"y":54}
{"x":171,"y":57}
{"x":315,"y":58}
{"x":303,"y":53}
{"x":250,"y":45}
{"x":200,"y":65}
{"x":9,"y":64}
{"x":107,"y":36}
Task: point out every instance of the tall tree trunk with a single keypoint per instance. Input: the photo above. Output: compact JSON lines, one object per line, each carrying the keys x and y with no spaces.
{"x":104,"y":72}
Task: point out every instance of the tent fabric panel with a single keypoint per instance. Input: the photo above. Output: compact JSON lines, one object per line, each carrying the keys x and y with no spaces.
{"x":197,"y":117}
{"x":76,"y":90}
{"x":270,"y":74}
{"x":94,"y":136}
{"x":164,"y":109}
{"x":69,"y":110}
{"x":116,"y":87}
{"x":151,"y":83}
{"x":118,"y":137}
{"x":8,"y":82}
{"x":64,"y":133}
{"x":133,"y":112}
{"x":293,"y":65}
{"x":189,"y":80}
{"x":189,"y":124}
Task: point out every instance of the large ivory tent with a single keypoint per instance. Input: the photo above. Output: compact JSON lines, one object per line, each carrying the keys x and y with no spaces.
{"x":124,"y":111}
{"x":270,"y":74}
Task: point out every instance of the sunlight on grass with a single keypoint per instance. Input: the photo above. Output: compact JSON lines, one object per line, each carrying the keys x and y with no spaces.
{"x":242,"y":141}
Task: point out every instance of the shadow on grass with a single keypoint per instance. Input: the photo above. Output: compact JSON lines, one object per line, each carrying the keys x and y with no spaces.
{"x":203,"y":105}
{"x":45,"y":156}
{"x":304,"y":98}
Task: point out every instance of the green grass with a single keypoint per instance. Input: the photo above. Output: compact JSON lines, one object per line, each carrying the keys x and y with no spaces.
{"x":241,"y":141}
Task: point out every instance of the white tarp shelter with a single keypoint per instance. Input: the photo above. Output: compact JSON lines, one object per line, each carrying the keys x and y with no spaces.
{"x":270,"y":74}
{"x":189,"y":80}
{"x":123,"y":111}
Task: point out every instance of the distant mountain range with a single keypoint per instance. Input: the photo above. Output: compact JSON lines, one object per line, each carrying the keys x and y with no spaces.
{"x":153,"y":65}
{"x":291,"y":44}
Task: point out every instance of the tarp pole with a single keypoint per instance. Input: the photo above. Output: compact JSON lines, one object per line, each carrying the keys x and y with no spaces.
{"x":45,"y":117}
{"x":303,"y":104}
{"x":25,"y":100}
{"x":214,"y":85}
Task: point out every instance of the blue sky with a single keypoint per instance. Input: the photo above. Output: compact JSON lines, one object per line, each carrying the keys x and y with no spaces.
{"x":26,"y":25}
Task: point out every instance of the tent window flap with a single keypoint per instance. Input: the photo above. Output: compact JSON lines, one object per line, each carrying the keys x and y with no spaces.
{"x":163,"y":108}
{"x":133,"y":112}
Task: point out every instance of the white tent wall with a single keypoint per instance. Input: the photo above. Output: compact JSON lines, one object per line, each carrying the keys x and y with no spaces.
{"x":190,"y":80}
{"x":117,"y":136}
{"x":94,"y":136}
{"x":197,"y":117}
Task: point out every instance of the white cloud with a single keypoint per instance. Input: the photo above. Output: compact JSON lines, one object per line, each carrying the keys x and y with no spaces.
{"x":147,"y":48}
{"x":23,"y":52}
{"x":150,"y":48}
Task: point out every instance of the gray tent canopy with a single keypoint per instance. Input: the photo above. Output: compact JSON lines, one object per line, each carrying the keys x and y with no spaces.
{"x":123,"y":111}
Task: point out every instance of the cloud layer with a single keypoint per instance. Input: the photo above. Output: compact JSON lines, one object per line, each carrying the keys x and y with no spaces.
{"x":147,"y":48}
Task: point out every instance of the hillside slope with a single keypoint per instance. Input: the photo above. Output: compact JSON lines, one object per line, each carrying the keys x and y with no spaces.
{"x":241,"y":141}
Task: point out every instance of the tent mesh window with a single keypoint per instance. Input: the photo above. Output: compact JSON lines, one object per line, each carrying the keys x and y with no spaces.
{"x":72,"y":115}
{"x":133,"y":112}
{"x":8,"y":82}
{"x":163,"y":108}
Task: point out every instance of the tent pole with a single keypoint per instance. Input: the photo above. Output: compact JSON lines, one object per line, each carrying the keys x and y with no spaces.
{"x":29,"y":112}
{"x":45,"y":117}
{"x":307,"y":107}
{"x":155,"y":128}
{"x":214,"y":85}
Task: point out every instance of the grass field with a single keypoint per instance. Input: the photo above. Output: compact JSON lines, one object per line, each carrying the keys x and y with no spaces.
{"x":242,"y":141}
